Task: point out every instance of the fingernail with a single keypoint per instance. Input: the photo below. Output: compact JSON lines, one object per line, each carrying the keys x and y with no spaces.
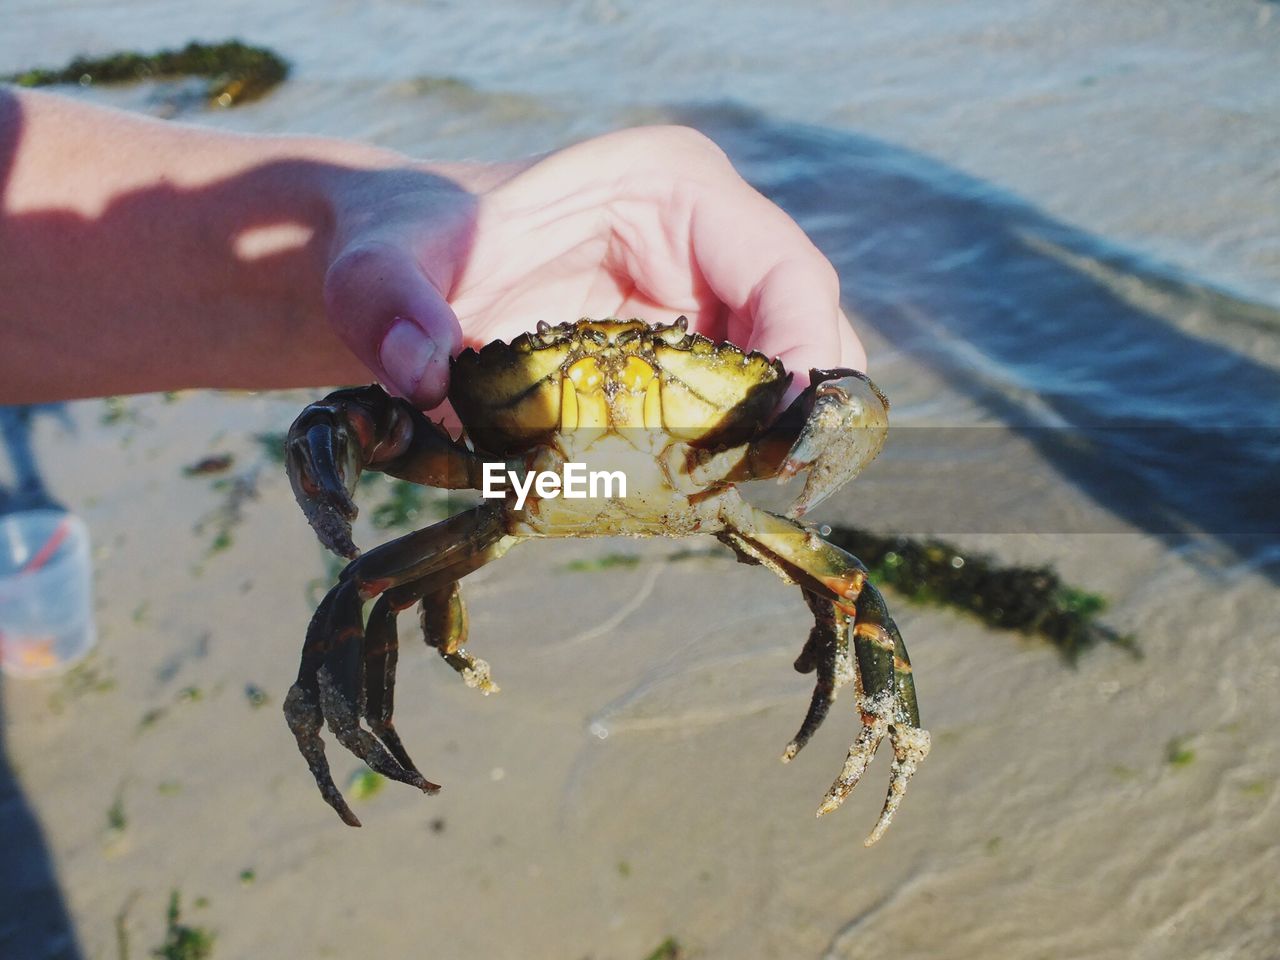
{"x":405,"y":352}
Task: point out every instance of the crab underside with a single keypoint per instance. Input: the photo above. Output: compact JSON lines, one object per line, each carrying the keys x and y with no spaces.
{"x":683,"y":419}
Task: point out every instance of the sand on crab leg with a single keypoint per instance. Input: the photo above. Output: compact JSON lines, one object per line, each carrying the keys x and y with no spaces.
{"x":849,"y":611}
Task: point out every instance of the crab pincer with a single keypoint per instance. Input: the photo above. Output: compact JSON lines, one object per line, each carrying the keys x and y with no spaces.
{"x":325,"y":451}
{"x":845,"y":428}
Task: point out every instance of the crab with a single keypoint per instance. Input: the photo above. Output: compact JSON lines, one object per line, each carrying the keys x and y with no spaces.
{"x":683,"y":419}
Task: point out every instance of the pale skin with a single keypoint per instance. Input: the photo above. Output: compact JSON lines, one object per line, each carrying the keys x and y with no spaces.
{"x":140,"y":255}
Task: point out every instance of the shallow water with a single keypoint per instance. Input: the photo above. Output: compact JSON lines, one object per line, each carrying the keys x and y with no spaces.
{"x":1054,"y":225}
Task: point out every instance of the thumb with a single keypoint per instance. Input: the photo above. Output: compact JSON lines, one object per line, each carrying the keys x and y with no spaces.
{"x":393,"y":318}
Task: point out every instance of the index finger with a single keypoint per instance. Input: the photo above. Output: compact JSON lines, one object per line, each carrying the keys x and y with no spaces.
{"x":766,"y":270}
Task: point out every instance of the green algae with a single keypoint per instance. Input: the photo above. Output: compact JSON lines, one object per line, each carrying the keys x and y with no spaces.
{"x":607,"y":561}
{"x":1177,"y":753}
{"x":183,"y":942}
{"x":237,"y":72}
{"x":669,"y":949}
{"x":364,"y":784}
{"x":404,"y":503}
{"x":1030,"y":600}
{"x":272,"y":445}
{"x":256,"y":696}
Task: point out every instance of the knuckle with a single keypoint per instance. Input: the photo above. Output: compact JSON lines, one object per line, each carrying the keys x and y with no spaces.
{"x":354,"y":268}
{"x":828,"y":276}
{"x":692,"y":141}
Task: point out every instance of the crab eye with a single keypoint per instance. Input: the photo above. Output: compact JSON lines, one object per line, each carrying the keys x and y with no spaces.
{"x":674,"y":334}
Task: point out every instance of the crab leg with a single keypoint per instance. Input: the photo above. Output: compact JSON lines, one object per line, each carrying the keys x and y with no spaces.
{"x":330,"y":687}
{"x":338,"y":669}
{"x":857,"y":612}
{"x":364,"y":428}
{"x":381,"y":651}
{"x":826,"y":650}
{"x":888,"y":705}
{"x":902,"y":679}
{"x":444,"y":626}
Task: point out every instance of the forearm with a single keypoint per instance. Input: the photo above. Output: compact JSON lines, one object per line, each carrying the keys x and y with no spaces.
{"x":137,"y":255}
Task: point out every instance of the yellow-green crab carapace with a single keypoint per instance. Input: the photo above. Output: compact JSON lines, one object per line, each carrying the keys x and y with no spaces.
{"x":683,"y":419}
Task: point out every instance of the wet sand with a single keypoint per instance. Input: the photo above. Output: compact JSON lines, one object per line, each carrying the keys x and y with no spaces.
{"x":625,"y":785}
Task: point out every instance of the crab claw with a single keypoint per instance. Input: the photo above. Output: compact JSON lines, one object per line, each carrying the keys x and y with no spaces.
{"x":324,"y":454}
{"x":845,"y":430}
{"x":910,"y":747}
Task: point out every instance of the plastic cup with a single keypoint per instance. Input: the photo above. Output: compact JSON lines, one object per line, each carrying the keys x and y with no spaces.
{"x":46,"y":592}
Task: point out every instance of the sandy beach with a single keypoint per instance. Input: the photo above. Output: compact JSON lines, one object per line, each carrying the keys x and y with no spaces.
{"x":992,"y":182}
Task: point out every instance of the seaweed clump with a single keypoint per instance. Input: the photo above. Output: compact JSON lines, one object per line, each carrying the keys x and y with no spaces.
{"x":182,"y":942}
{"x":1031,"y":600}
{"x":669,"y":949}
{"x":237,"y":72}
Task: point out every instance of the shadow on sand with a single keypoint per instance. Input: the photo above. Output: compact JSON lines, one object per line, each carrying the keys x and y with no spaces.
{"x":1093,"y":353}
{"x":34,"y":924}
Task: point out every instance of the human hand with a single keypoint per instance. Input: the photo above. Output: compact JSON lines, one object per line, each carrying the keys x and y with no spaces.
{"x":648,"y":222}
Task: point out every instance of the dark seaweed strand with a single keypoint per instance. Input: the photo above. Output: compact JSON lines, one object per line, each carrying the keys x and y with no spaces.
{"x":1032,"y":600}
{"x":237,"y":72}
